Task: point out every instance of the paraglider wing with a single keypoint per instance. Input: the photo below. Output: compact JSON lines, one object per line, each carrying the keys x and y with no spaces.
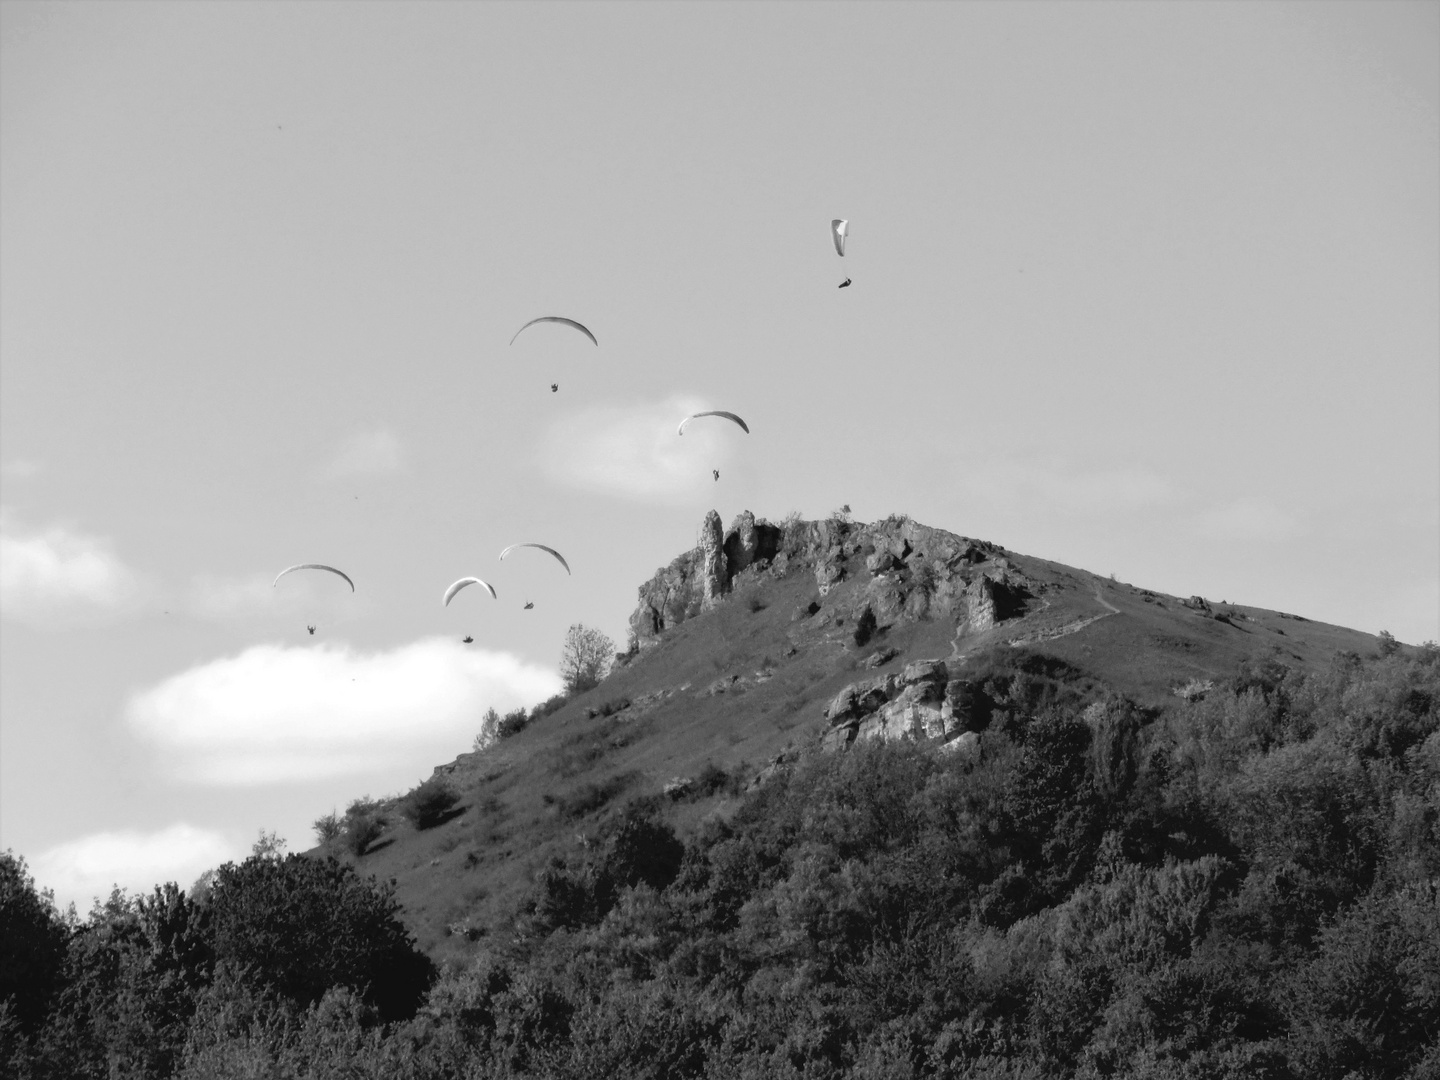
{"x":455,"y":588}
{"x":839,"y":230}
{"x":555,"y":319}
{"x":559,"y":558}
{"x":727,"y":415}
{"x":313,"y":566}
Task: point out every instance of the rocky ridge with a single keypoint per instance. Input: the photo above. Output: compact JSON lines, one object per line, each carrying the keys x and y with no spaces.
{"x":902,"y":571}
{"x":913,"y":571}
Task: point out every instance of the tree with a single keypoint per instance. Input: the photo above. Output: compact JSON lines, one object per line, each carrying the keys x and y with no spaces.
{"x":301,"y":926}
{"x":585,"y":658}
{"x":32,"y":943}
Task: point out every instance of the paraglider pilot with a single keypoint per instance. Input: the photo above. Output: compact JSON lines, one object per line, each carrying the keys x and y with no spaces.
{"x":716,"y":472}
{"x":311,"y":629}
{"x":844,"y":284}
{"x":554,"y":387}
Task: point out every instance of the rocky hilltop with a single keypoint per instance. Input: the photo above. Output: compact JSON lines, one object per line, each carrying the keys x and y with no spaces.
{"x":913,"y":571}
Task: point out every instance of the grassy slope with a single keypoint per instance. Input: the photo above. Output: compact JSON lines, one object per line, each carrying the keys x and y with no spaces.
{"x":527,"y":798}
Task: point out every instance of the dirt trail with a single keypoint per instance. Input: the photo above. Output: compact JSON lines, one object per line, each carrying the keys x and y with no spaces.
{"x":1052,"y":633}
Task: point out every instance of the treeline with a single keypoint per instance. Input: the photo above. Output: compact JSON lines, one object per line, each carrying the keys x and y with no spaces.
{"x":1248,"y":886}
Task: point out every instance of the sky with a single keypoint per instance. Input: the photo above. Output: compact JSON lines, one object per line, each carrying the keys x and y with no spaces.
{"x":1150,"y":289}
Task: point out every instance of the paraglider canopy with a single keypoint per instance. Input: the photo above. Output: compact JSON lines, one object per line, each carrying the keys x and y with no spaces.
{"x":555,"y":319}
{"x":839,"y":230}
{"x":464,"y":581}
{"x":716,"y":412}
{"x":559,"y":558}
{"x":312,"y":566}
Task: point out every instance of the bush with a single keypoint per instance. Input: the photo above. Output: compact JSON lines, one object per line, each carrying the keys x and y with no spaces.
{"x":865,"y":627}
{"x":328,"y":827}
{"x":512,"y":723}
{"x":429,"y":804}
{"x":301,"y":926}
{"x":362,"y":830}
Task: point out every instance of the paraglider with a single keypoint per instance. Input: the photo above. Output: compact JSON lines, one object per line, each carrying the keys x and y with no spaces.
{"x":528,"y":605}
{"x":466,"y":640}
{"x":554,"y":387}
{"x":462,"y":583}
{"x":558,"y":557}
{"x":313,"y":566}
{"x":555,"y":319}
{"x":716,"y":472}
{"x":839,"y":232}
{"x":726,"y":415}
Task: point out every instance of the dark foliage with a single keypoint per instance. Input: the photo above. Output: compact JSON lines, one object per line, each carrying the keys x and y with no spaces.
{"x":1243,"y":887}
{"x":300,"y":926}
{"x":864,"y":627}
{"x":429,"y":804}
{"x":32,"y":945}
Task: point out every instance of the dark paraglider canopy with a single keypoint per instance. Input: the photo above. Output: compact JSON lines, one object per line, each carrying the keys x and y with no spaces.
{"x":844,"y":284}
{"x":555,"y":319}
{"x":466,"y":640}
{"x":714,"y":412}
{"x":529,"y":604}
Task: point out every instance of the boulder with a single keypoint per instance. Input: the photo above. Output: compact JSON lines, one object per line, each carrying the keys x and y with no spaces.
{"x":925,"y":671}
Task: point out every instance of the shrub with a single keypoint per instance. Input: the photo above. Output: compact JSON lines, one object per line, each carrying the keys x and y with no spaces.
{"x":429,"y":804}
{"x":512,"y":723}
{"x":864,"y":627}
{"x":328,"y":827}
{"x":301,"y":926}
{"x":363,"y":824}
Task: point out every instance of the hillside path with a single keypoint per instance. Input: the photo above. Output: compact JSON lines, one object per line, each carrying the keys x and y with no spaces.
{"x":1074,"y":626}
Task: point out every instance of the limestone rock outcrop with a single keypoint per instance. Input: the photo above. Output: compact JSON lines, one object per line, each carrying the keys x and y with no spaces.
{"x":903,"y":571}
{"x":920,"y":702}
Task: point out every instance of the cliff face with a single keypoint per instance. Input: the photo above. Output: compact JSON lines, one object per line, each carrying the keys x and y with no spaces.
{"x":911,"y":571}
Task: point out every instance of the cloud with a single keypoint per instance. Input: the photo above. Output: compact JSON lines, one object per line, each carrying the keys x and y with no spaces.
{"x":81,"y":870}
{"x":281,"y":714}
{"x":633,"y":451}
{"x":57,"y":576}
{"x":1247,"y":519}
{"x":21,"y":469}
{"x":373,"y":453}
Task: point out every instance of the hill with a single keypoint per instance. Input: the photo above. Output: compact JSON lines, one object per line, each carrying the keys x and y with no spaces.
{"x":744,"y":655}
{"x":859,"y":801}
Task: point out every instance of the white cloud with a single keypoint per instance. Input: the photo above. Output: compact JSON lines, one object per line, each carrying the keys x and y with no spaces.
{"x":81,"y":870}
{"x":1249,"y":518}
{"x":633,"y":450}
{"x":277,"y":714}
{"x":371,"y":453}
{"x":20,"y":469}
{"x":57,"y":576}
